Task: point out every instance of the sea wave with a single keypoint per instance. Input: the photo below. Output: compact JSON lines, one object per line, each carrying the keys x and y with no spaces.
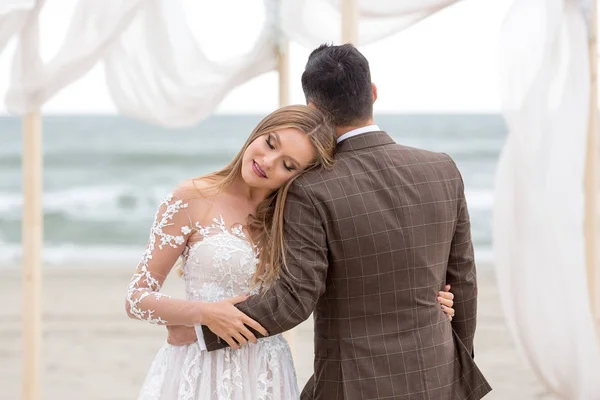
{"x":124,"y":202}
{"x":72,"y":254}
{"x":112,"y":202}
{"x":11,"y":255}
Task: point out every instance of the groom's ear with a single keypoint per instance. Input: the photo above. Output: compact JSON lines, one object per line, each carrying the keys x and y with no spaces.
{"x":374,"y":91}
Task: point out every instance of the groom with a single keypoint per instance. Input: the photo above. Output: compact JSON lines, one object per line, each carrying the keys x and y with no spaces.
{"x":370,"y":243}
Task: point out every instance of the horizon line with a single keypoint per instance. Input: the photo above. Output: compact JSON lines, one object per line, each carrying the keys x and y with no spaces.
{"x":255,"y":113}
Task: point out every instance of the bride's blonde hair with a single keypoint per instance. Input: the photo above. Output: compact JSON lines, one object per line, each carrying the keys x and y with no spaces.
{"x":266,"y":224}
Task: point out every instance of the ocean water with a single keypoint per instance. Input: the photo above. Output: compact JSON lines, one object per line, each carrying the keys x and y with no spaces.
{"x":104,"y":176}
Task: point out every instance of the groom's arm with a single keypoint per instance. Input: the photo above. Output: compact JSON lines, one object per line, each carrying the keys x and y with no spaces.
{"x":461,"y":274}
{"x":292,"y":298}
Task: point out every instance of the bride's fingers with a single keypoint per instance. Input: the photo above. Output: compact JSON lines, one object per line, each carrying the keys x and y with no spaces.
{"x":240,"y":339}
{"x":445,"y":302}
{"x":238,"y":299}
{"x":254,"y":325}
{"x":446,"y":295}
{"x":231,"y":342}
{"x":248,"y":335}
{"x":449,"y":311}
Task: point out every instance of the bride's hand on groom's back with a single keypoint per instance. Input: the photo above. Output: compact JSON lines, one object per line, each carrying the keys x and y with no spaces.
{"x":229,"y":323}
{"x":446,"y":299}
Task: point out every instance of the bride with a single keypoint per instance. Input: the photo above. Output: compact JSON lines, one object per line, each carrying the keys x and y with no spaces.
{"x":227,"y":229}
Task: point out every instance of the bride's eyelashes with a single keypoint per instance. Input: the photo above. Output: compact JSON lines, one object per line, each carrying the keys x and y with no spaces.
{"x":268,"y":140}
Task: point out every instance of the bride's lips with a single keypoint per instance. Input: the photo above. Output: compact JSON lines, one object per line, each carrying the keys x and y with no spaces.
{"x":258,"y":170}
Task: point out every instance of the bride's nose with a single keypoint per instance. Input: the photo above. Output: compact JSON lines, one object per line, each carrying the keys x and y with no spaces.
{"x":268,"y":162}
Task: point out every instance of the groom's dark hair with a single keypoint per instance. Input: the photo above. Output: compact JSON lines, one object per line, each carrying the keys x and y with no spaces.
{"x":337,"y":80}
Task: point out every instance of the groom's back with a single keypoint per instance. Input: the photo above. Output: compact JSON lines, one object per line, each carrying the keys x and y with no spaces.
{"x":390,"y":214}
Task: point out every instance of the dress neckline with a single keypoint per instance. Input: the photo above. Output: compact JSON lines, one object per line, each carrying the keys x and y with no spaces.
{"x":218,"y":223}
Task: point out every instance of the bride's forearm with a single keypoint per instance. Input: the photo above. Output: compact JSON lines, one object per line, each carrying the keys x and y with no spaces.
{"x":160,"y":309}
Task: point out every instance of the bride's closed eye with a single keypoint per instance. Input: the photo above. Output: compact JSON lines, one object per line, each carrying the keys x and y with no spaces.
{"x":268,"y":140}
{"x":287,"y":167}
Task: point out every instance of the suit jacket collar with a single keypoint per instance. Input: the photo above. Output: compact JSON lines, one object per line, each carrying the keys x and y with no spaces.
{"x":364,"y":140}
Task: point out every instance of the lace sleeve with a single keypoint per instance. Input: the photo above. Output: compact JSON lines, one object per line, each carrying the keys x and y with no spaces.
{"x":168,"y":236}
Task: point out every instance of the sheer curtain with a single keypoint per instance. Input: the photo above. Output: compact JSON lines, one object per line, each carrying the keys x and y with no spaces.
{"x":93,"y":28}
{"x":156,"y":71}
{"x":13,"y":14}
{"x":312,"y":22}
{"x":539,"y":203}
{"x":155,"y":68}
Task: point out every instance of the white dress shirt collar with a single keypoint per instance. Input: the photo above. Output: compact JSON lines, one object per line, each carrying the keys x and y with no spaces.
{"x":358,"y":131}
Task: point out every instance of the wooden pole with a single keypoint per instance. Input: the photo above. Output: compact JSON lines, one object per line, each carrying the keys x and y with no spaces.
{"x":32,"y":231}
{"x":284,"y":73}
{"x":591,"y":175}
{"x":350,"y":21}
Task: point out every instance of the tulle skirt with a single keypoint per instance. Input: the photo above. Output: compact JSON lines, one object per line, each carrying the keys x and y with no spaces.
{"x":257,"y":371}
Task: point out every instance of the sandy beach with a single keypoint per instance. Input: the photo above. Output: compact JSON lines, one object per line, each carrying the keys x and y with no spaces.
{"x":92,"y":350}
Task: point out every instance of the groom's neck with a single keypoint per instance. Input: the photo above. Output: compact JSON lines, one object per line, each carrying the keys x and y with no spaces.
{"x":340,"y":130}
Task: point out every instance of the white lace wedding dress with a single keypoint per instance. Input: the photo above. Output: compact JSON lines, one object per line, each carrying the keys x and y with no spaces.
{"x":218,"y":262}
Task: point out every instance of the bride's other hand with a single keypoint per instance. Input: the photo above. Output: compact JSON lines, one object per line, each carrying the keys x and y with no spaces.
{"x":229,"y":323}
{"x":446,"y":299}
{"x":180,"y":335}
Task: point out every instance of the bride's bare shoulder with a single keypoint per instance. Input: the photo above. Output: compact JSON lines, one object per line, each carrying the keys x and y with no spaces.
{"x":197,"y":192}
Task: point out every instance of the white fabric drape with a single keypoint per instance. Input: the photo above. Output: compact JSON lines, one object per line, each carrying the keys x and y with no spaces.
{"x":13,"y":14}
{"x":312,"y":22}
{"x":157,"y":72}
{"x":93,"y":28}
{"x":155,"y":69}
{"x":539,"y":201}
{"x":587,"y":7}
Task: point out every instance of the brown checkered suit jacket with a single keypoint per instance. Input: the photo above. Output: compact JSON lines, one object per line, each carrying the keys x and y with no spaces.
{"x":370,"y":243}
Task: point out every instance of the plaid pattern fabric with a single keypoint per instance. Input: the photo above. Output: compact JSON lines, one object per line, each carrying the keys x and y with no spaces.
{"x":370,"y":243}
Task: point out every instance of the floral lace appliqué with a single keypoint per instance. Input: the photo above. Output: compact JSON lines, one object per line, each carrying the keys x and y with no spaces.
{"x":143,"y":284}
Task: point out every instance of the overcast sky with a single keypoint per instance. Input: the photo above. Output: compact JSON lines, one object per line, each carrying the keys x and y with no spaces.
{"x":447,"y":63}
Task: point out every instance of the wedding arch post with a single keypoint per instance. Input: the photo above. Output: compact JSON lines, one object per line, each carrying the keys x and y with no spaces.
{"x":32,"y":217}
{"x":32,"y":232}
{"x":591,"y":173}
{"x":283,"y":60}
{"x":350,"y":21}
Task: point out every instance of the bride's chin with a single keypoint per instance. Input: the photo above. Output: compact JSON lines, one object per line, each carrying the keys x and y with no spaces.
{"x":249,"y":178}
{"x":246,"y":179}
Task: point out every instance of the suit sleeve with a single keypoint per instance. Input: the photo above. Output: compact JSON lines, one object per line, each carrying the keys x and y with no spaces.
{"x":293,"y":297}
{"x":461,"y":273}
